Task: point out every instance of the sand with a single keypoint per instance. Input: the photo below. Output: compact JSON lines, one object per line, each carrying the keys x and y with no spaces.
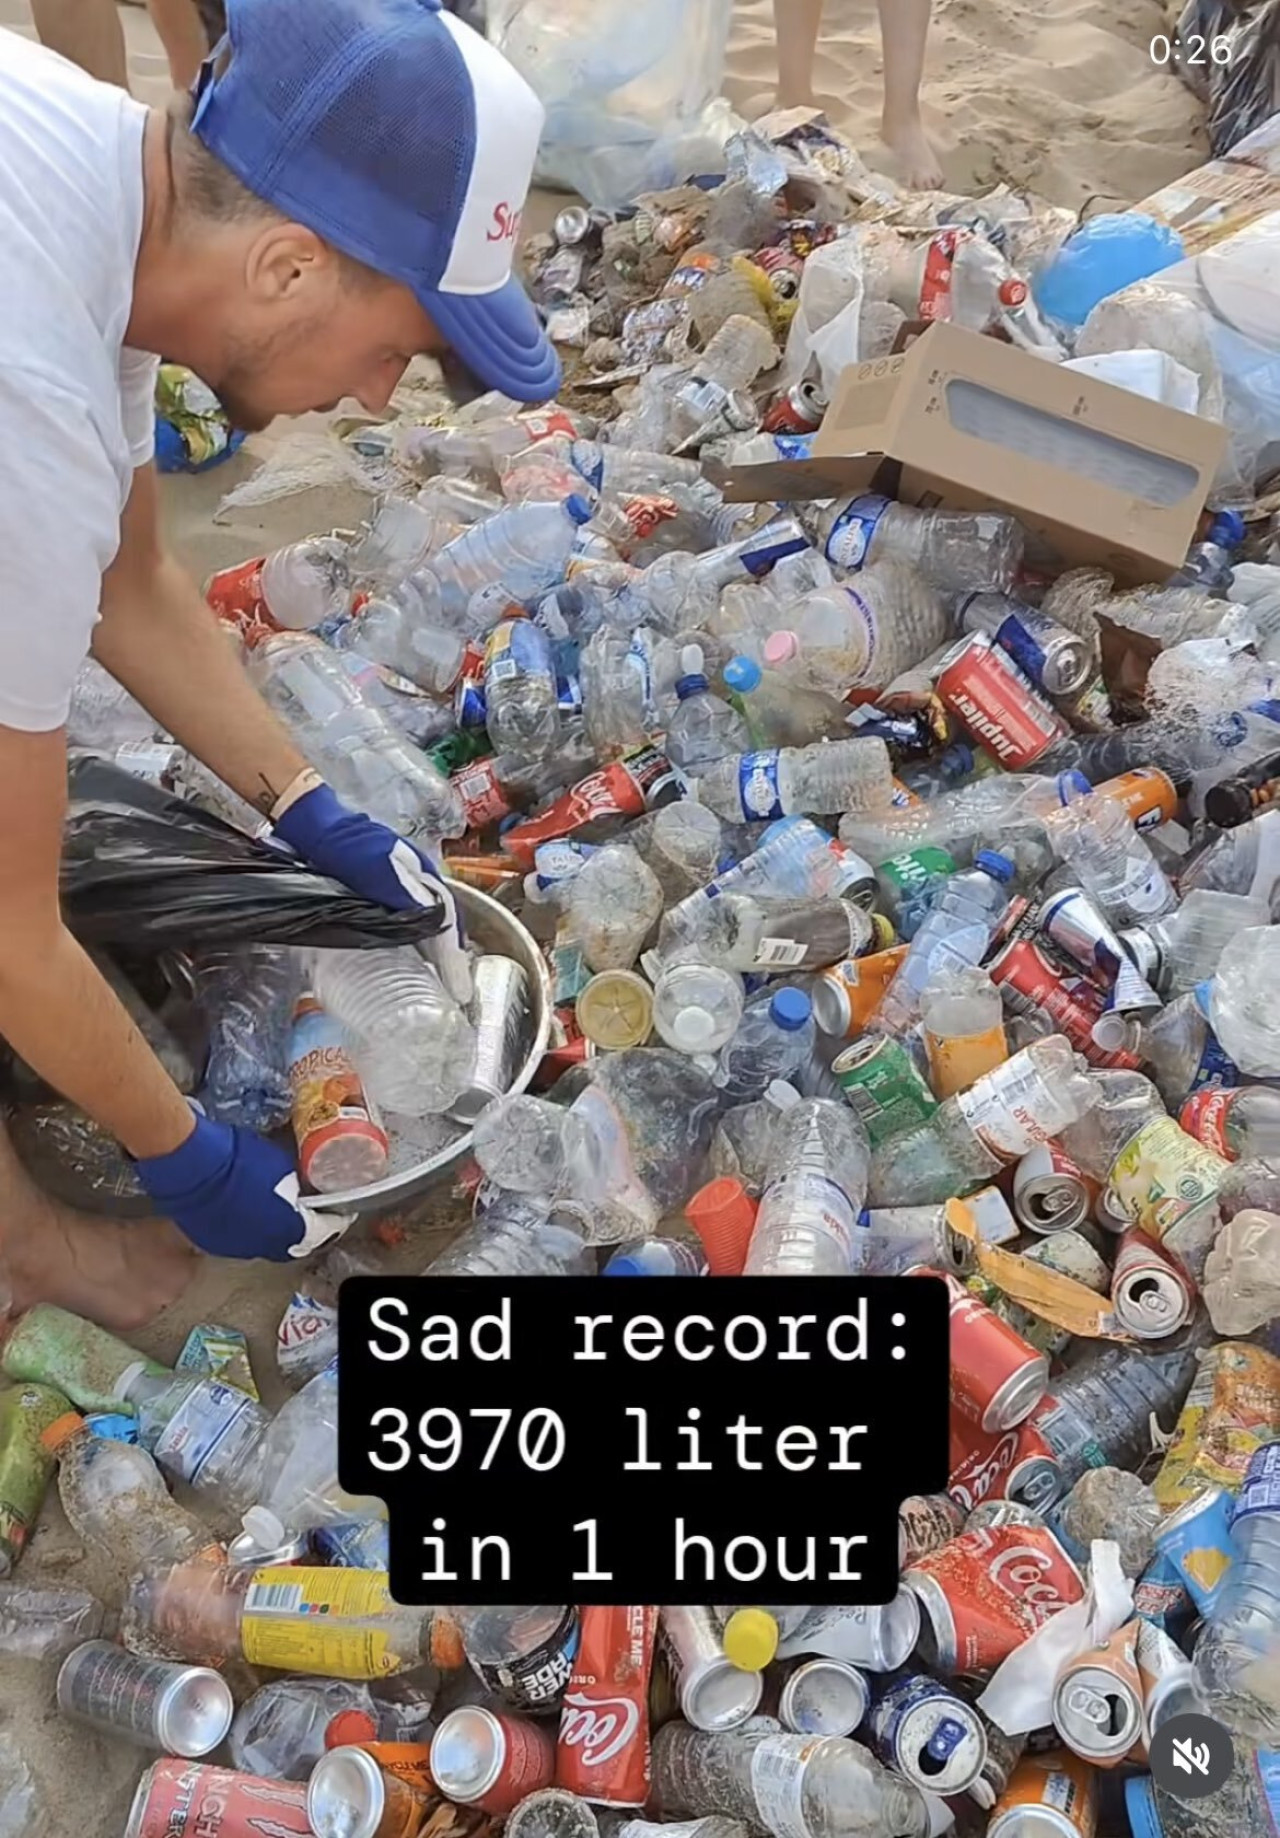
{"x":1060,"y":96}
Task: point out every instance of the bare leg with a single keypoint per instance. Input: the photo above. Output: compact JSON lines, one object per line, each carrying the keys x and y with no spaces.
{"x":796,"y":24}
{"x":88,"y":32}
{"x":904,"y":29}
{"x":182,"y":35}
{"x":117,"y":1274}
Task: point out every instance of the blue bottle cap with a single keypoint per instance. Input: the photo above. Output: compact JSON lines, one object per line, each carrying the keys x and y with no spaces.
{"x":790,"y":1009}
{"x":992,"y":863}
{"x":626,"y":1263}
{"x":578,"y":508}
{"x":743,"y":674}
{"x":1140,"y":1805}
{"x":1227,"y":529}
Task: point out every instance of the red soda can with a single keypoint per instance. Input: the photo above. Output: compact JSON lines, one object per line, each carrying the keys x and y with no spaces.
{"x":489,"y":1759}
{"x":996,"y":1378}
{"x":1016,"y":1464}
{"x":926,"y":1521}
{"x":187,"y":1799}
{"x":624,"y":788}
{"x":603,"y":1752}
{"x":236,"y":596}
{"x":985,"y":1592}
{"x":1033,"y":984}
{"x":798,"y":410}
{"x":571,"y":1049}
{"x":999,"y":706}
{"x":483,"y":799}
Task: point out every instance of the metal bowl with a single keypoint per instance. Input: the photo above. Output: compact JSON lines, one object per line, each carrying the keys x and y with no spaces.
{"x":105,"y":1183}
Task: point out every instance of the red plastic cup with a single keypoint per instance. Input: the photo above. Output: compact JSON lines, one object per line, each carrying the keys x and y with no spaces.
{"x":723,"y":1214}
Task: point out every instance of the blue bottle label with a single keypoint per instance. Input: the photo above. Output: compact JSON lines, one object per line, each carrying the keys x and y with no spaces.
{"x":758,"y":786}
{"x":1017,"y":636}
{"x":850,"y":535}
{"x":1261,"y":1490}
{"x":1216,"y":1067}
{"x":516,"y":648}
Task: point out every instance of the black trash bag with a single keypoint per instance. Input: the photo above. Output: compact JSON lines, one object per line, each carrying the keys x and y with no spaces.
{"x":1231,"y":60}
{"x":144,"y":869}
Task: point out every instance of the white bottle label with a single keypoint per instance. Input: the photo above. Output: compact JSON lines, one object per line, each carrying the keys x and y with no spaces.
{"x":758,"y":786}
{"x":777,"y":1783}
{"x":1013,"y":1109}
{"x":850,"y":535}
{"x":200,"y":1427}
{"x":782,"y":953}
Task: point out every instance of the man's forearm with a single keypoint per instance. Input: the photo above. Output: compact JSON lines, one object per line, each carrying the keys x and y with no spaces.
{"x":59,"y":1015}
{"x":159,"y":638}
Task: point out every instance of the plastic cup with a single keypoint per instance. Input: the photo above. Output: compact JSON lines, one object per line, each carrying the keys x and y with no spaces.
{"x":723,"y":1214}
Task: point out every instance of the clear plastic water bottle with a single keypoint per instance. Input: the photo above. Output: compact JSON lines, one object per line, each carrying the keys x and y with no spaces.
{"x":742,"y":1147}
{"x":613,"y":470}
{"x":837,"y":775}
{"x":104,"y":715}
{"x":402,"y":628}
{"x":517,"y":1236}
{"x":956,"y":550}
{"x":1242,"y":1008}
{"x":1237,"y":1658}
{"x":307,"y":582}
{"x":741,"y":931}
{"x":955,"y":934}
{"x":682,"y":842}
{"x":247,"y":997}
{"x":1245,"y":860}
{"x":657,"y":1257}
{"x":523,"y":1656}
{"x":396,"y":538}
{"x":792,"y":1786}
{"x":1180,"y":1049}
{"x":202,"y":1432}
{"x":364,"y":758}
{"x":1098,"y":1412}
{"x":697,"y":1006}
{"x":780,"y":712}
{"x":628,"y":687}
{"x":526,"y":547}
{"x":116,"y":1501}
{"x":413,"y":1045}
{"x":298,"y":1486}
{"x":615,"y":903}
{"x":704,"y":728}
{"x":961,"y":821}
{"x":1177,"y":953}
{"x":774,"y":1040}
{"x":522,"y":702}
{"x":1096,"y":837}
{"x":869,"y":631}
{"x":681,"y":591}
{"x":808,"y":1223}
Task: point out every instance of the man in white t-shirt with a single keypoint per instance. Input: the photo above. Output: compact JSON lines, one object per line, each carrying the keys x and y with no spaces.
{"x":342,"y":191}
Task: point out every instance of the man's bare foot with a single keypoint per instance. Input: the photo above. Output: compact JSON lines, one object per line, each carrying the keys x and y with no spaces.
{"x":119,"y":1275}
{"x":920,"y":170}
{"x":794,"y":98}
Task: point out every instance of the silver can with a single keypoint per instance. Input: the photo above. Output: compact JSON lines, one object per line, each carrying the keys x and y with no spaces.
{"x":1168,"y":1679}
{"x":349,"y":1796}
{"x":929,"y":1734}
{"x":714,"y":1694}
{"x":1050,"y":1194}
{"x":1097,"y":1710}
{"x":502,"y":1015}
{"x":1151,"y":1296}
{"x":878,"y":1638}
{"x":182,"y":1710}
{"x":1057,"y":660}
{"x":572,"y":224}
{"x":824,"y":1697}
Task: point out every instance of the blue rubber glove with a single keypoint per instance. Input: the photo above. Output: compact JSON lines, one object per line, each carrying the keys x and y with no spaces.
{"x":382,"y":867}
{"x":234,"y":1194}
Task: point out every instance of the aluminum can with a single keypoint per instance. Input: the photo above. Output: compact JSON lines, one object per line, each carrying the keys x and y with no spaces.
{"x":997,"y":704}
{"x":184,"y":1710}
{"x":188,"y":1799}
{"x":928,"y":1734}
{"x":491,"y":1760}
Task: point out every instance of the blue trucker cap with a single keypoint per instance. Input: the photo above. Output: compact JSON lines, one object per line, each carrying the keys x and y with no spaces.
{"x":404,"y":139}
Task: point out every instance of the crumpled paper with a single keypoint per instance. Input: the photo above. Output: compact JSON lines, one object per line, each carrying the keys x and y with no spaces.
{"x":1019,"y":1696}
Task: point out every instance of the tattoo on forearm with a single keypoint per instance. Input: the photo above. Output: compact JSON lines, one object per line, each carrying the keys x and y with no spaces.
{"x":265,"y":800}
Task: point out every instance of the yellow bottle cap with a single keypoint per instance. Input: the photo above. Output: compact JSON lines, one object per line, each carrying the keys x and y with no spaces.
{"x":615,"y":1010}
{"x":751,"y":1638}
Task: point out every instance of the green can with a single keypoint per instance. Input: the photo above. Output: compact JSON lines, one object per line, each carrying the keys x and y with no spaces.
{"x":49,"y":1346}
{"x":26,"y":1411}
{"x":885,"y":1086}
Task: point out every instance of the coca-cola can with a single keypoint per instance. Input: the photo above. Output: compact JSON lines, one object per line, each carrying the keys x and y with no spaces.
{"x":997,"y":704}
{"x":1150,"y":1294}
{"x":925,"y":1523}
{"x":797,"y":410}
{"x":188,"y":1799}
{"x":823,"y":1697}
{"x":603,"y":1751}
{"x":714,"y":1693}
{"x":1050,"y":1193}
{"x":996,"y":1378}
{"x":1032,"y":984}
{"x":489,"y":1759}
{"x":184,"y":1710}
{"x":928,"y":1734}
{"x":1016,"y":1465}
{"x":983,"y":1594}
{"x":350,"y":1796}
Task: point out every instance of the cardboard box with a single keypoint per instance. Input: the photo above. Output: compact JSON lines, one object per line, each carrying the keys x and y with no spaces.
{"x":1224,"y":195}
{"x":1101,"y":475}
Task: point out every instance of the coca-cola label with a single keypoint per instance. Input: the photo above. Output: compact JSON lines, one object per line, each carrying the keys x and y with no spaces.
{"x":603,"y":1752}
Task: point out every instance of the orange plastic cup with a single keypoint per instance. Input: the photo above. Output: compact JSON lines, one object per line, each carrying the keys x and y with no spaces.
{"x":723,"y":1214}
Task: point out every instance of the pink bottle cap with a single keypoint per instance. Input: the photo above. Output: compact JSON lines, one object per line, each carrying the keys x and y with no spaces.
{"x":781,"y":647}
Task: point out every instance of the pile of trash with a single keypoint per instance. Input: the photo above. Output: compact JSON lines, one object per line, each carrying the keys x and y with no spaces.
{"x":860,"y":690}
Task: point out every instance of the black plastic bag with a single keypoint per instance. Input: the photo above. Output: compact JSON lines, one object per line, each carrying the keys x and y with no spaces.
{"x":144,"y":869}
{"x":1231,"y":60}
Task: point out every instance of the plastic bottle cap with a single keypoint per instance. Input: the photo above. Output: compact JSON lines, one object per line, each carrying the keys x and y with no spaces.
{"x":791,"y":1008}
{"x":743,"y":674}
{"x":61,"y":1430}
{"x":781,"y":1095}
{"x":781,"y":647}
{"x":751,"y":1638}
{"x":993,"y":863}
{"x":1227,"y":528}
{"x":262,"y":1525}
{"x":578,"y":508}
{"x":1141,"y":1808}
{"x":693,"y":1028}
{"x":723,"y":1214}
{"x":350,"y":1726}
{"x":691,"y":660}
{"x":626,"y":1263}
{"x":615,"y":1009}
